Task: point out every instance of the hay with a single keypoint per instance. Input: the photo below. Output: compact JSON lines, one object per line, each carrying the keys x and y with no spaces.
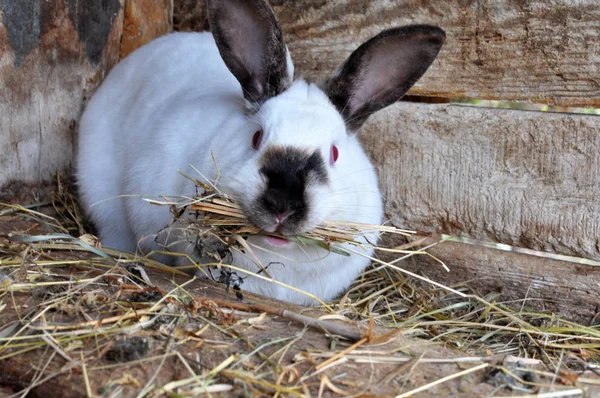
{"x":214,"y":213}
{"x":87,"y":294}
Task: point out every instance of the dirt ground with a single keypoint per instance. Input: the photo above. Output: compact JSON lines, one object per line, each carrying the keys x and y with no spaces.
{"x":73,"y":324}
{"x":130,"y":361}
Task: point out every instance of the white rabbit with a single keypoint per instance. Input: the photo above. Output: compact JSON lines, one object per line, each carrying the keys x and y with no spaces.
{"x":286,"y":149}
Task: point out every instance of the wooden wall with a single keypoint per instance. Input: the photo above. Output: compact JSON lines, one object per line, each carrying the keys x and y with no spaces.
{"x":53,"y":53}
{"x":546,"y":51}
{"x":527,"y":179}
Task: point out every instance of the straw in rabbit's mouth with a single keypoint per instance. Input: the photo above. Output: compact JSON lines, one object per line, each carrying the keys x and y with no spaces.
{"x":216,"y":214}
{"x":226,"y":220}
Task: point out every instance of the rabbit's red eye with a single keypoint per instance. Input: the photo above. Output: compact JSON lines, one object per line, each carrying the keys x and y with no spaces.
{"x":256,"y":139}
{"x":333,"y":156}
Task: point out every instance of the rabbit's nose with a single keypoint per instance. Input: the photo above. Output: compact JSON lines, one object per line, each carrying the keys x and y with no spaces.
{"x":281,"y":217}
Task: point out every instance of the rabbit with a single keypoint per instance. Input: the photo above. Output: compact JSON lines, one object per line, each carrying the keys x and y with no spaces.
{"x":285,"y":149}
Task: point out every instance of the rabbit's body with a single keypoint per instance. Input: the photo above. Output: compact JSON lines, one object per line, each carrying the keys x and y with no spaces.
{"x":285,"y":149}
{"x":180,"y":104}
{"x":145,"y":122}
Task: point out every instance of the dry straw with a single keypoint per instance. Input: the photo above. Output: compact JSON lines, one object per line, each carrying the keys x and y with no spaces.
{"x":522,"y":351}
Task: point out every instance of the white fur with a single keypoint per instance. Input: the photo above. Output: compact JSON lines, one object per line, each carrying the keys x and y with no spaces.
{"x":172,"y":102}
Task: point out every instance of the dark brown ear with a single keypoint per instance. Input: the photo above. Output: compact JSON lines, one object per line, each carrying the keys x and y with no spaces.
{"x":382,"y":70}
{"x":250,"y":42}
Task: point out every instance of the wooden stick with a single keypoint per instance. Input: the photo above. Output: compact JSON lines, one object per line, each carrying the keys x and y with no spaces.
{"x":348,"y":332}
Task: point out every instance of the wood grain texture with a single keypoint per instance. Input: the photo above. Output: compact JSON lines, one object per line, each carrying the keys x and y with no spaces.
{"x":545,"y":51}
{"x":50,"y":59}
{"x":145,"y":20}
{"x":53,"y":54}
{"x":549,"y":285}
{"x":190,"y":15}
{"x":526,"y":179}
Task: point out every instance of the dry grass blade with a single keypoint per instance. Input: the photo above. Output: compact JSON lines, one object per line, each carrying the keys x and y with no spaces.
{"x":442,"y":380}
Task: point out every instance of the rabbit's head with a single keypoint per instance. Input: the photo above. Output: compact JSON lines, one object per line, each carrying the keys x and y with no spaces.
{"x":306,"y":164}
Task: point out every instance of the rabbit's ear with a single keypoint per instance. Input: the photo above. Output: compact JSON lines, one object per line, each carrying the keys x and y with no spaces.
{"x":382,"y":70}
{"x":250,"y":42}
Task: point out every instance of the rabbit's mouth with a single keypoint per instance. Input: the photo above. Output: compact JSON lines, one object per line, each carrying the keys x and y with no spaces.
{"x":276,"y":240}
{"x":273,"y":242}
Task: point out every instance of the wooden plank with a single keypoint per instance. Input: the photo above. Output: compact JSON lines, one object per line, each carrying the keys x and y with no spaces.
{"x":145,"y":20}
{"x":545,"y":51}
{"x":189,"y":15}
{"x":527,"y":179}
{"x":545,"y":284}
{"x":52,"y":56}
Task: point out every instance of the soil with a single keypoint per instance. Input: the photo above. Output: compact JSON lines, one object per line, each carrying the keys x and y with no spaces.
{"x":126,"y":363}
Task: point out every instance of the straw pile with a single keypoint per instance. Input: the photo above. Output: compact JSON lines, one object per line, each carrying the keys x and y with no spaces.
{"x":69,"y":307}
